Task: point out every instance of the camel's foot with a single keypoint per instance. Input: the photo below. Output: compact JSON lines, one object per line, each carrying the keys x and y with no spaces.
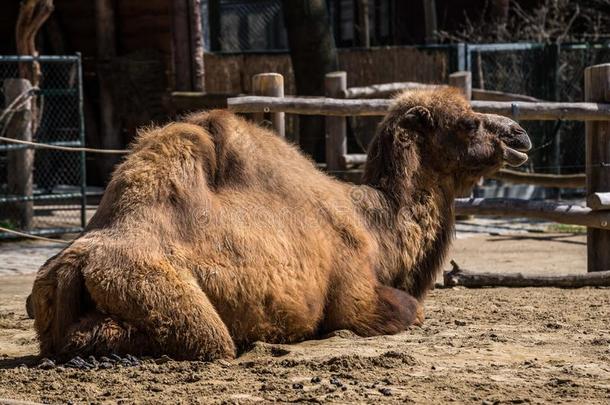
{"x":396,"y":310}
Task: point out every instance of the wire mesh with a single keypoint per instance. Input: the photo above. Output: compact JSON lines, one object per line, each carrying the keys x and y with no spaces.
{"x":251,"y":25}
{"x":57,"y":197}
{"x":541,"y":71}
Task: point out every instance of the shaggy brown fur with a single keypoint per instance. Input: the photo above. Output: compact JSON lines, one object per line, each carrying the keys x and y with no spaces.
{"x":215,"y":233}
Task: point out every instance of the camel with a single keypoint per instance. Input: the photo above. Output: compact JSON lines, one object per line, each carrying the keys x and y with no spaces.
{"x":215,"y":233}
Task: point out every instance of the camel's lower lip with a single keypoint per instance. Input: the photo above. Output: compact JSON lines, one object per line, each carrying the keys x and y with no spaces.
{"x":513,"y":157}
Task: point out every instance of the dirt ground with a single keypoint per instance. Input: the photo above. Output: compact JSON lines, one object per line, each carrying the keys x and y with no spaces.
{"x":477,"y":346}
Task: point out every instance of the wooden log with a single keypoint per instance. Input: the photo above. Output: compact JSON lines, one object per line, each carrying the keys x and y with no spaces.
{"x":20,"y":163}
{"x":271,"y":85}
{"x":309,"y":106}
{"x":599,"y":201}
{"x":463,"y":81}
{"x":597,"y":89}
{"x":492,"y":95}
{"x":550,"y":211}
{"x":472,"y":279}
{"x":335,"y":127}
{"x":195,"y":100}
{"x":541,"y":179}
{"x":545,"y":111}
{"x":386,"y":90}
{"x":375,"y":107}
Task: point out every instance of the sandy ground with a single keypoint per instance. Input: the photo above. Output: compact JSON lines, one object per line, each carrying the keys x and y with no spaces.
{"x":477,"y":346}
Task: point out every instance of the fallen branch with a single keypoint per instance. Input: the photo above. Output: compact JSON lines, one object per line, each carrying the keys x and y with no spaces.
{"x":465,"y":278}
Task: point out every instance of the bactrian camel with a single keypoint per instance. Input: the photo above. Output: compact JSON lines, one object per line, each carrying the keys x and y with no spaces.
{"x":214,"y":233}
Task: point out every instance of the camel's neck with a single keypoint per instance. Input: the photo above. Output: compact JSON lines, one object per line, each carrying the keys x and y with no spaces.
{"x":414,"y":227}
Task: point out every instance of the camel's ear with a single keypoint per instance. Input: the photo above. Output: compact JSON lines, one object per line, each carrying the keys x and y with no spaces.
{"x":418,"y":118}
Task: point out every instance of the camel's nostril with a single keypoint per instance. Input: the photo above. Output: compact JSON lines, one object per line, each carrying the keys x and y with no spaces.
{"x":517,"y":139}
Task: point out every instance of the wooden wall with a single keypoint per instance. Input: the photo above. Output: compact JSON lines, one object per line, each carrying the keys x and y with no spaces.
{"x":231,"y":73}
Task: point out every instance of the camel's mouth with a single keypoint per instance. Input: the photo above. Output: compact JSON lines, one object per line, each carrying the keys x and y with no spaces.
{"x":515,"y":147}
{"x":513,"y":157}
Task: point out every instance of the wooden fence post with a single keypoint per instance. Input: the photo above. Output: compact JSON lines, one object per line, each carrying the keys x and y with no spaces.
{"x":463,"y":81}
{"x":270,"y":85}
{"x":597,"y":89}
{"x":20,"y":162}
{"x":335,"y":84}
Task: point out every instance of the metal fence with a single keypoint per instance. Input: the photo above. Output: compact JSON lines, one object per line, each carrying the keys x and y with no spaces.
{"x":54,"y":202}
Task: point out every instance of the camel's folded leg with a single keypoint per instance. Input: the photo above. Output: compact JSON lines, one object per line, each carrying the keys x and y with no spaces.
{"x":176,"y":315}
{"x":369,"y":308}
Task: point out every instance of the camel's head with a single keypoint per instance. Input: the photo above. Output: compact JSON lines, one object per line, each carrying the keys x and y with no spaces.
{"x":451,"y":139}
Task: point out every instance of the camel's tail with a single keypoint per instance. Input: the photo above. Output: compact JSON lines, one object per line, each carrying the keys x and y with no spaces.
{"x":59,"y":298}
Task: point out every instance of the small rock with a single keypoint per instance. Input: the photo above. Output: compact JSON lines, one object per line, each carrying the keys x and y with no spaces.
{"x":155,"y":388}
{"x":385,"y":391}
{"x":316,"y":380}
{"x":335,"y":381}
{"x":93,"y":361}
{"x":460,"y":323}
{"x":163,"y":359}
{"x":115,"y":357}
{"x":47,"y":364}
{"x":105,"y":365}
{"x":105,"y":359}
{"x":297,"y":386}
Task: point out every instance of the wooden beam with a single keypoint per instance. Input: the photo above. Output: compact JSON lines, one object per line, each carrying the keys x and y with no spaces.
{"x":541,"y":179}
{"x":386,"y":90}
{"x":492,"y":95}
{"x":512,"y":176}
{"x":597,"y":89}
{"x":325,"y":106}
{"x":309,"y":105}
{"x":196,"y":100}
{"x":335,"y":127}
{"x":550,"y":211}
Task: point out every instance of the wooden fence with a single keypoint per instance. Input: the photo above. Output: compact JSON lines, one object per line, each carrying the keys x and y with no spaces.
{"x":595,"y":111}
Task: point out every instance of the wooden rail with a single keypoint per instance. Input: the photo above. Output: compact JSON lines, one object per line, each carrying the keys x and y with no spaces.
{"x":371,"y":107}
{"x":550,"y":211}
{"x":512,"y":176}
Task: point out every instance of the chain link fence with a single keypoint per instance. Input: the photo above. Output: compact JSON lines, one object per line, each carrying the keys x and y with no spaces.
{"x":42,"y":191}
{"x":251,"y":25}
{"x":547,"y":72}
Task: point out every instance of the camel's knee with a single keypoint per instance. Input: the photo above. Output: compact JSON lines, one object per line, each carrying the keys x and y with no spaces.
{"x":172,"y":312}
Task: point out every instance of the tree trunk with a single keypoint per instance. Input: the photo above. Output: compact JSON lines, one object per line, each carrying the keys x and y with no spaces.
{"x":313,"y":54}
{"x":106,"y":53}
